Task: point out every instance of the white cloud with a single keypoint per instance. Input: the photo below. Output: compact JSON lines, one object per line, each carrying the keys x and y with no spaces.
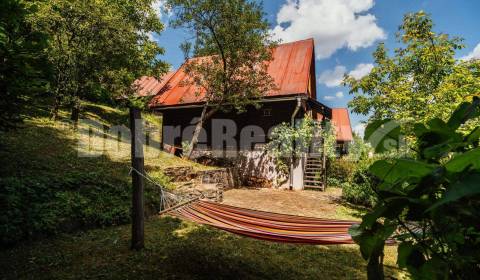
{"x":332,"y":78}
{"x":359,"y":129}
{"x":333,"y":24}
{"x":159,"y":8}
{"x":361,"y":70}
{"x":163,"y":14}
{"x":338,"y":95}
{"x":151,"y":36}
{"x":475,"y":54}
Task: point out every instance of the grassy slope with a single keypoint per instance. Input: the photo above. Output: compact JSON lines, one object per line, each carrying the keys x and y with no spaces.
{"x":180,"y":250}
{"x":154,"y":157}
{"x":47,"y":188}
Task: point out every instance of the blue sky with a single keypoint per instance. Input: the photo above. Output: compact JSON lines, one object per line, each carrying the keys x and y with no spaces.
{"x":346,"y":33}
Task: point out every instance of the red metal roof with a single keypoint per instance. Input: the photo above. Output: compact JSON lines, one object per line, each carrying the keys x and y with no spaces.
{"x":341,"y":120}
{"x":290,"y":68}
{"x":147,"y":86}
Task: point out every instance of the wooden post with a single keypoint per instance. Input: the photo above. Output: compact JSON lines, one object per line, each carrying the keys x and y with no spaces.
{"x":136,"y":128}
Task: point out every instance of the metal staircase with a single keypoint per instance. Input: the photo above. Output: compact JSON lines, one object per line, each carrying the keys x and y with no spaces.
{"x":314,"y":172}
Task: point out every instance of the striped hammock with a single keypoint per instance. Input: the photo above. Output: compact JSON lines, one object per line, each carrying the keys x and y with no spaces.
{"x":253,"y":223}
{"x":265,"y":225}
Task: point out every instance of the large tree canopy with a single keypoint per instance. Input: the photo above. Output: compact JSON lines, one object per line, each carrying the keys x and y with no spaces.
{"x":22,"y":67}
{"x":98,"y":47}
{"x":421,"y":81}
{"x":235,"y":37}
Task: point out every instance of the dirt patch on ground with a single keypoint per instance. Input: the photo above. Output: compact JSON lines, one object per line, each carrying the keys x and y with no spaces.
{"x":303,"y":203}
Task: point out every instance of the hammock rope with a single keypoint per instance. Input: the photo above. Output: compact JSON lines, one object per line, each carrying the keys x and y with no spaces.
{"x":168,"y":200}
{"x":254,"y":223}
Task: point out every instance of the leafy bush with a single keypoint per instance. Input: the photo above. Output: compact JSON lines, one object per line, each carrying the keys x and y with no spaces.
{"x":359,"y":188}
{"x":358,"y":149}
{"x":354,"y":179}
{"x":334,"y":182}
{"x":339,"y":171}
{"x":351,"y":173}
{"x":42,"y":205}
{"x":431,"y":201}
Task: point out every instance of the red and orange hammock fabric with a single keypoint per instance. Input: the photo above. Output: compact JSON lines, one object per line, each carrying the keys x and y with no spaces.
{"x":265,"y":225}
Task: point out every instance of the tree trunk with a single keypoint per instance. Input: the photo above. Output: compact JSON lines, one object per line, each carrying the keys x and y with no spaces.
{"x":75,"y":111}
{"x":198,"y":127}
{"x":375,"y":266}
{"x":56,"y":106}
{"x":137,"y":179}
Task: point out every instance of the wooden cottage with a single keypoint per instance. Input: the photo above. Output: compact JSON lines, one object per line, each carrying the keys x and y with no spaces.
{"x":293,"y":70}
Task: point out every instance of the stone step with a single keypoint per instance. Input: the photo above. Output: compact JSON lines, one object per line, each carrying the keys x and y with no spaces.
{"x":316,"y":156}
{"x":312,"y":181}
{"x":313,"y":187}
{"x":313,"y":169}
{"x":313,"y":176}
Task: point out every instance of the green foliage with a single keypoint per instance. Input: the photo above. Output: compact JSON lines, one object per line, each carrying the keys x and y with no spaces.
{"x":358,"y":149}
{"x":40,"y":205}
{"x":351,"y":173}
{"x":186,"y":147}
{"x":235,"y":75}
{"x":421,"y":81}
{"x":431,"y":201}
{"x":329,"y":136}
{"x":98,"y":48}
{"x":22,"y":67}
{"x":46,"y":188}
{"x":359,"y":188}
{"x":289,"y":142}
{"x":383,"y":135}
{"x":340,"y":170}
{"x":281,"y":146}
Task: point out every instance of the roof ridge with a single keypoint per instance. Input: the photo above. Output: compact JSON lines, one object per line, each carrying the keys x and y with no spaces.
{"x":297,"y":41}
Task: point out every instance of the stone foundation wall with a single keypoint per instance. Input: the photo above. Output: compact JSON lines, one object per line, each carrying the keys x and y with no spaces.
{"x":245,"y":168}
{"x":221,"y":176}
{"x":258,"y":169}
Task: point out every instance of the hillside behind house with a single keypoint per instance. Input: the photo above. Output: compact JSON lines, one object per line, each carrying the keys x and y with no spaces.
{"x":47,"y":186}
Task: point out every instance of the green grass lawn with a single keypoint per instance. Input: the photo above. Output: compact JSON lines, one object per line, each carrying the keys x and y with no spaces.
{"x":181,"y":250}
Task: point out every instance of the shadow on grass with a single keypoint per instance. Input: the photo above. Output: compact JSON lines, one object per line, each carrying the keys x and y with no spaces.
{"x":357,"y":210}
{"x":212,"y":254}
{"x":47,"y":188}
{"x":110,"y":115}
{"x":177,"y":250}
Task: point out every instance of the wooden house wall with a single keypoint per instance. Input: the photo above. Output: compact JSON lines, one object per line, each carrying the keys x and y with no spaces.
{"x":181,"y":118}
